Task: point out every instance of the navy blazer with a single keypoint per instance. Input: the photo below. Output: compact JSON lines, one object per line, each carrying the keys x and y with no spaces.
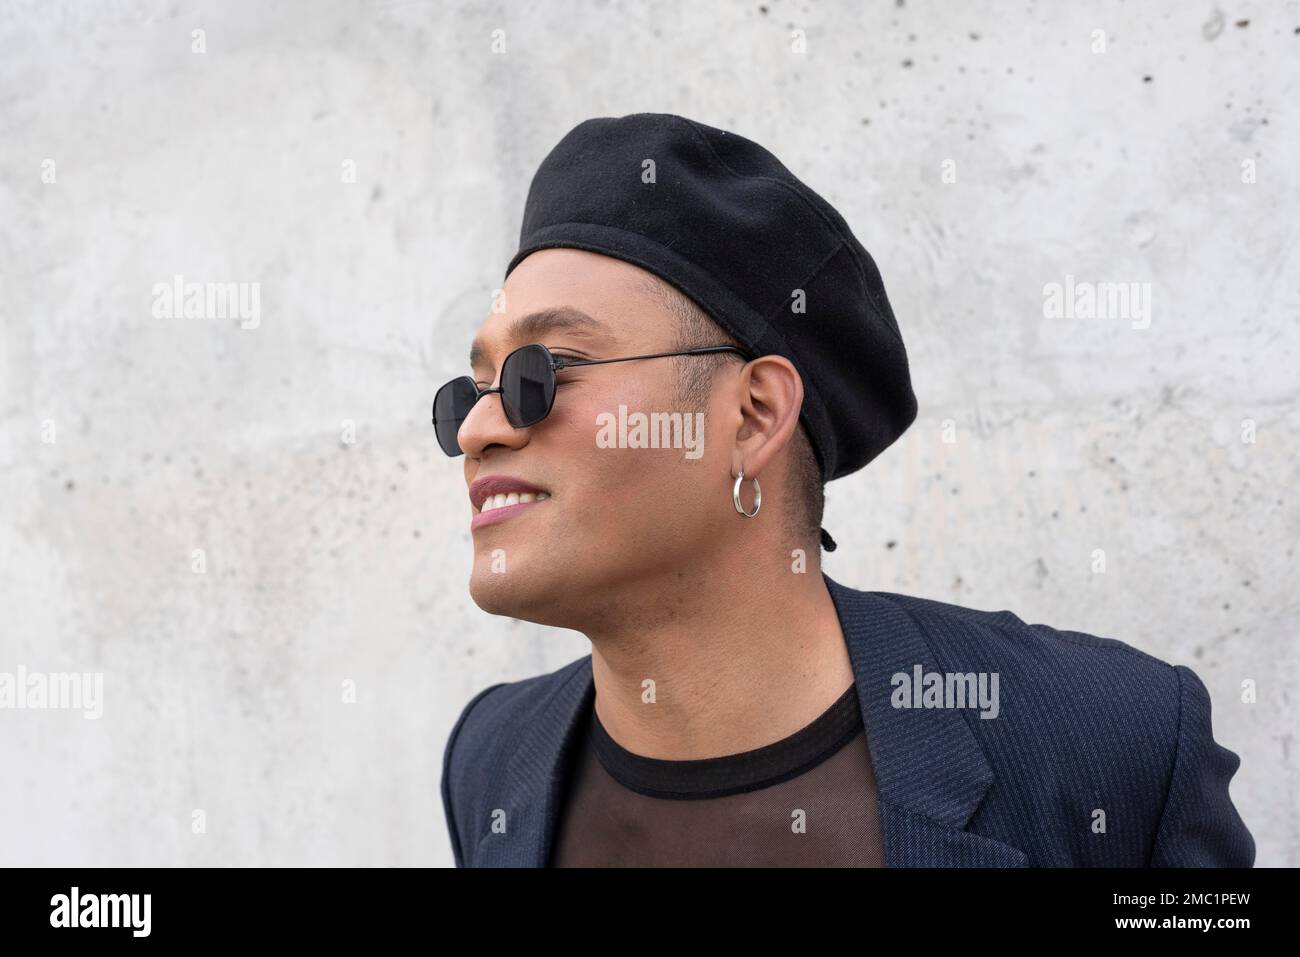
{"x":1086,"y":725}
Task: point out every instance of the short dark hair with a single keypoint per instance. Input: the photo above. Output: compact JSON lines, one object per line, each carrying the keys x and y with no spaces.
{"x":696,"y":328}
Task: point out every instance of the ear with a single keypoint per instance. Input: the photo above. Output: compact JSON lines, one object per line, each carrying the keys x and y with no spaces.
{"x":770,"y":395}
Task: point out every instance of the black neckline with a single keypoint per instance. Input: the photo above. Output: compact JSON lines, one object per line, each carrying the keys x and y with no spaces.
{"x":731,"y":773}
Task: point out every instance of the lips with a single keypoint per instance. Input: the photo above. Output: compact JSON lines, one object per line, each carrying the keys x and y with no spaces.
{"x":498,"y":497}
{"x":491,"y":486}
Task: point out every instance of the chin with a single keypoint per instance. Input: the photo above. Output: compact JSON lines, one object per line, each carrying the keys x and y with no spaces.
{"x":510,"y":595}
{"x":554,"y":593}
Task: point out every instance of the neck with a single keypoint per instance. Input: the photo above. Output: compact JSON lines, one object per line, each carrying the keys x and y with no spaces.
{"x":728,"y":657}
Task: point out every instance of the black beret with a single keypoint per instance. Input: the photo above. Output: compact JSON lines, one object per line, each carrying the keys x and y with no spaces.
{"x":726,"y":223}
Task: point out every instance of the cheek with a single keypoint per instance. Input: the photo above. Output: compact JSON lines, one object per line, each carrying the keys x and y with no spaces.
{"x":627,"y":486}
{"x":576,"y":417}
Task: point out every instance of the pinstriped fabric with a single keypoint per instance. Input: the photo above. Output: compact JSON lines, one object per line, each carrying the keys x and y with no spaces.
{"x":453,"y":830}
{"x":915,"y":841}
{"x":1061,"y":748}
{"x":926,"y":759}
{"x":1092,"y":764}
{"x":1190,"y":833}
{"x":507,"y":766}
{"x":1100,"y":755}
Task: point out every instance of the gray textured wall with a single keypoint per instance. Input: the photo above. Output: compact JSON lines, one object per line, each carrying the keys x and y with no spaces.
{"x":129,"y":440}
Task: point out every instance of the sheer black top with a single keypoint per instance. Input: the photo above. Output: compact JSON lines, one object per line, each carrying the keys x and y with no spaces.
{"x":808,"y":800}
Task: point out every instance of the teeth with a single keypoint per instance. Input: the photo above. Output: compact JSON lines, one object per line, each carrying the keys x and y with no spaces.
{"x":513,"y":498}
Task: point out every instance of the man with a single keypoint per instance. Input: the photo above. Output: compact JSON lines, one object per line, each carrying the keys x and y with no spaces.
{"x":739,"y":707}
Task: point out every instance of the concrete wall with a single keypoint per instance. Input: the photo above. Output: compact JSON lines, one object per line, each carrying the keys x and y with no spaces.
{"x":128,"y":441}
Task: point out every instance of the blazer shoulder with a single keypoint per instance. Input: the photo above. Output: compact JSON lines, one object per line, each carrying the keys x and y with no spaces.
{"x":1111,"y":687}
{"x":483,"y":738}
{"x":956,"y":629}
{"x":495,"y":715}
{"x":1096,"y":716}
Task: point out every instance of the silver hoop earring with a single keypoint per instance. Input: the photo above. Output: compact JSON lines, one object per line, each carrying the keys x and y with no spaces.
{"x":735,"y":495}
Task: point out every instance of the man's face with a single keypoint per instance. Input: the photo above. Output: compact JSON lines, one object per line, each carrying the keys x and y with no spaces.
{"x":617,"y":520}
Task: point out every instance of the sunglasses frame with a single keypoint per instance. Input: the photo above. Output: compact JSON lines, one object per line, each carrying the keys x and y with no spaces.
{"x":557,"y":363}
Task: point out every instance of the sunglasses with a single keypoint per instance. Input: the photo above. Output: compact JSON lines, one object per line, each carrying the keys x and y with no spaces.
{"x":527,"y":388}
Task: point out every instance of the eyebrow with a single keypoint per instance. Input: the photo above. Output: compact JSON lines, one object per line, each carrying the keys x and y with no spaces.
{"x":535,"y":325}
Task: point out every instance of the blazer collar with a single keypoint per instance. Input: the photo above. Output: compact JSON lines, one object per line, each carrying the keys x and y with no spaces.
{"x":930,"y":770}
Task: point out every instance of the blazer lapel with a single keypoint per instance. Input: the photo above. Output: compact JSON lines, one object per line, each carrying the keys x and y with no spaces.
{"x":931,"y":772}
{"x":535,"y":777}
{"x":929,"y":768}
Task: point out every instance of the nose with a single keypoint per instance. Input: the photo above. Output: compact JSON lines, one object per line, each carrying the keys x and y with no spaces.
{"x":486,"y":426}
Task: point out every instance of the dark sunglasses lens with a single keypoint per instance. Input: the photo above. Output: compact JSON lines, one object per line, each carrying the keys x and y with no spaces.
{"x":450,"y":406}
{"x":527,"y":386}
